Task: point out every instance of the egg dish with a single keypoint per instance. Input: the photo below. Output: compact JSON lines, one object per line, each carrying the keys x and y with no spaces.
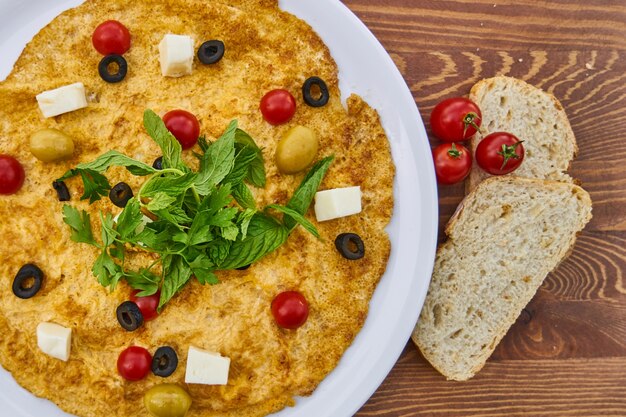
{"x":229,"y":324}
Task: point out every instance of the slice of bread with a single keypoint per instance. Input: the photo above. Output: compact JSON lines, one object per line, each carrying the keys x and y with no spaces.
{"x":535,"y":117}
{"x":503,"y":240}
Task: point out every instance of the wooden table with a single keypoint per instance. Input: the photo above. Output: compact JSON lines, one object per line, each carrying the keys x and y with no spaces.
{"x":566,"y":355}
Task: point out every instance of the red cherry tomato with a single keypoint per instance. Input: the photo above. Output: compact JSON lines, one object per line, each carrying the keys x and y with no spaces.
{"x":290,"y":309}
{"x":148,"y":304}
{"x":499,"y":153}
{"x":11,"y":175}
{"x":278,"y":106}
{"x":111,"y":37}
{"x":452,"y":163}
{"x":455,"y":119}
{"x":134,"y":363}
{"x":184,"y":126}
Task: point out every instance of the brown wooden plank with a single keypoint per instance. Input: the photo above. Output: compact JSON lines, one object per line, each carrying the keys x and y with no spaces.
{"x":566,"y":354}
{"x":506,"y":25}
{"x":573,"y":387}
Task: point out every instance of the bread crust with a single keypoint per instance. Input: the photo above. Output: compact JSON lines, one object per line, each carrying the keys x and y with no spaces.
{"x":519,"y":88}
{"x":432,"y":341}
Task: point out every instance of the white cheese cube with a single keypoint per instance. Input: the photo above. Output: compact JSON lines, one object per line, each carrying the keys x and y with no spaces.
{"x":338,"y":202}
{"x":176,"y":55}
{"x":62,"y":100}
{"x":54,"y":340}
{"x":204,"y":367}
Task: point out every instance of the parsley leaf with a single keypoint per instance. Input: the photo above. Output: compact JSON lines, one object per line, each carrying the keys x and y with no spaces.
{"x":80,"y":225}
{"x":96,"y":185}
{"x":196,"y":227}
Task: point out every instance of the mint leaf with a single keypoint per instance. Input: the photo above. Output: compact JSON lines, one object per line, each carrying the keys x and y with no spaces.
{"x":256,"y":168}
{"x":217,"y":161}
{"x":302,"y":197}
{"x":218,"y":250}
{"x":109,"y":159}
{"x":244,"y":221}
{"x":170,"y":147}
{"x":244,"y":156}
{"x":297,"y":217}
{"x":243,"y":196}
{"x":265,"y":234}
{"x":176,"y":274}
{"x":80,"y":225}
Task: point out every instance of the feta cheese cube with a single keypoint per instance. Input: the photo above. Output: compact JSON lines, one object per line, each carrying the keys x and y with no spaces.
{"x":204,"y":367}
{"x":338,"y":202}
{"x":54,"y":340}
{"x":62,"y":100}
{"x":176,"y":55}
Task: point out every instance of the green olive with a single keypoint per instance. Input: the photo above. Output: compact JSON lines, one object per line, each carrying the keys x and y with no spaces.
{"x":296,"y":150}
{"x":167,"y":400}
{"x":51,"y":145}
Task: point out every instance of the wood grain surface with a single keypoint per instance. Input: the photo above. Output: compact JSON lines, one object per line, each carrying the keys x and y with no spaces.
{"x":566,"y":354}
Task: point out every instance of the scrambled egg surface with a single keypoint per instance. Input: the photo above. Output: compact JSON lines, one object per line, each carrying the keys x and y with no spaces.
{"x":265,"y":49}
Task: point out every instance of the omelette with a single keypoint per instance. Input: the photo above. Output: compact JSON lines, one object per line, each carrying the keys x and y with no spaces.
{"x":265,"y":49}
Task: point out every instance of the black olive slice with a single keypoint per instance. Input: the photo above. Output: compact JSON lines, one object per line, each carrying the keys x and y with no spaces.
{"x":211,"y":51}
{"x":28,"y":281}
{"x":104,"y":68}
{"x":129,"y":315}
{"x":120,"y":194}
{"x":307,"y":94}
{"x":158,"y":163}
{"x":62,"y":192}
{"x":350,"y":246}
{"x":164,"y":361}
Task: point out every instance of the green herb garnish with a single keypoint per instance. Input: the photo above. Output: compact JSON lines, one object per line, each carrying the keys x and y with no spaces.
{"x":197,"y":228}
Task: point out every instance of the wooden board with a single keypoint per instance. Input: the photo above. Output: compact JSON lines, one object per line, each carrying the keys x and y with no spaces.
{"x":566,"y":355}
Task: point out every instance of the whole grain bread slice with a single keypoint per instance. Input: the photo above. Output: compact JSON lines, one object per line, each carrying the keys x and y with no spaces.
{"x":511,"y":105}
{"x":503,"y":240}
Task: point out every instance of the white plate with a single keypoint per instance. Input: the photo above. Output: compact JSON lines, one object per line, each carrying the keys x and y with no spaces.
{"x":366,"y":69}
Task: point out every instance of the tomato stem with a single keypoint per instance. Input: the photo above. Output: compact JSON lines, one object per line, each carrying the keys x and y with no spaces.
{"x":508,"y":152}
{"x":470,"y":119}
{"x":454,"y":152}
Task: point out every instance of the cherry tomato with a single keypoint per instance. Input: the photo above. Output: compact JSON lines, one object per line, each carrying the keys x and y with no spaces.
{"x":455,"y":119}
{"x":134,"y":363}
{"x":184,"y":126}
{"x":111,"y":37}
{"x":452,"y":163}
{"x":499,"y":153}
{"x":11,"y":175}
{"x":290,"y":309}
{"x":278,"y":106}
{"x":148,"y":304}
